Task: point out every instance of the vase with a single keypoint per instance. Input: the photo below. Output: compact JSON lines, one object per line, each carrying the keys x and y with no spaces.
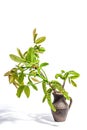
{"x":62,"y":107}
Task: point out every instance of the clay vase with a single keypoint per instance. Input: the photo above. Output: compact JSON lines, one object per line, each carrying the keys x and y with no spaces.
{"x":62,"y":107}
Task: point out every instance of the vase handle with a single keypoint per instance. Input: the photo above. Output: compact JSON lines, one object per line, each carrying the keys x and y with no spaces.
{"x":70,"y":102}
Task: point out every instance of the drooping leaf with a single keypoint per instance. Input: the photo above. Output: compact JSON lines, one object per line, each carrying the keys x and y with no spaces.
{"x":16,"y":58}
{"x":43,"y":64}
{"x":20,"y":90}
{"x":40,"y":40}
{"x":20,"y":53}
{"x":44,"y":98}
{"x":34,"y":35}
{"x":44,"y":87}
{"x":73,"y":83}
{"x":49,"y":100}
{"x":21,"y":77}
{"x":27,"y":91}
{"x":33,"y":85}
{"x":65,"y":94}
{"x":56,"y":85}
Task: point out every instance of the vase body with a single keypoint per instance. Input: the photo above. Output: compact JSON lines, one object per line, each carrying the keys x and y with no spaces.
{"x":61,"y":106}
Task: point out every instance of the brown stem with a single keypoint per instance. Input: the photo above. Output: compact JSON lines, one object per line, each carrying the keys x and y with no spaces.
{"x":63,"y":84}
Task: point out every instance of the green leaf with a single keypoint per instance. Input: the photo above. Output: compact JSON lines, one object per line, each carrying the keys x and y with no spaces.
{"x":43,"y":64}
{"x":27,"y":91}
{"x":73,"y":83}
{"x":62,"y":71}
{"x":40,"y":40}
{"x":30,"y":57}
{"x":41,"y":49}
{"x":65,"y":94}
{"x":73,"y":77}
{"x":34,"y":35}
{"x":49,"y":100}
{"x":33,"y":85}
{"x":66,"y":75}
{"x":59,"y":76}
{"x":44,"y":98}
{"x":44,"y":87}
{"x":21,"y":77}
{"x":32,"y":73}
{"x":20,"y":90}
{"x":11,"y":78}
{"x":20,"y":53}
{"x":56,"y":85}
{"x":73,"y":73}
{"x":34,"y":32}
{"x":16,"y":58}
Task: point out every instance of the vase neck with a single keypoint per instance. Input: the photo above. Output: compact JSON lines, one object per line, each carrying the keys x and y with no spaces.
{"x":58,"y":97}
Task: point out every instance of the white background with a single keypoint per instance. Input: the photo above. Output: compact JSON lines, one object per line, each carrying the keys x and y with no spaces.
{"x":64,"y":23}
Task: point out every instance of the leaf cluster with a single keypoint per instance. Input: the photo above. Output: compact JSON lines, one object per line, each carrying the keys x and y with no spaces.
{"x":29,"y":72}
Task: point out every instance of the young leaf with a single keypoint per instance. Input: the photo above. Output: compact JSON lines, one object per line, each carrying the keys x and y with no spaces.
{"x":20,"y":53}
{"x":73,"y":83}
{"x":27,"y":91}
{"x":62,"y":71}
{"x":34,"y":35}
{"x":34,"y":32}
{"x":40,"y":40}
{"x":20,"y":90}
{"x":41,"y":49}
{"x":16,"y":58}
{"x":43,"y":64}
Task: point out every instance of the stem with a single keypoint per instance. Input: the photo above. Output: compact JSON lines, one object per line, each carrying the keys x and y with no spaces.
{"x":63,"y":83}
{"x":44,"y":74}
